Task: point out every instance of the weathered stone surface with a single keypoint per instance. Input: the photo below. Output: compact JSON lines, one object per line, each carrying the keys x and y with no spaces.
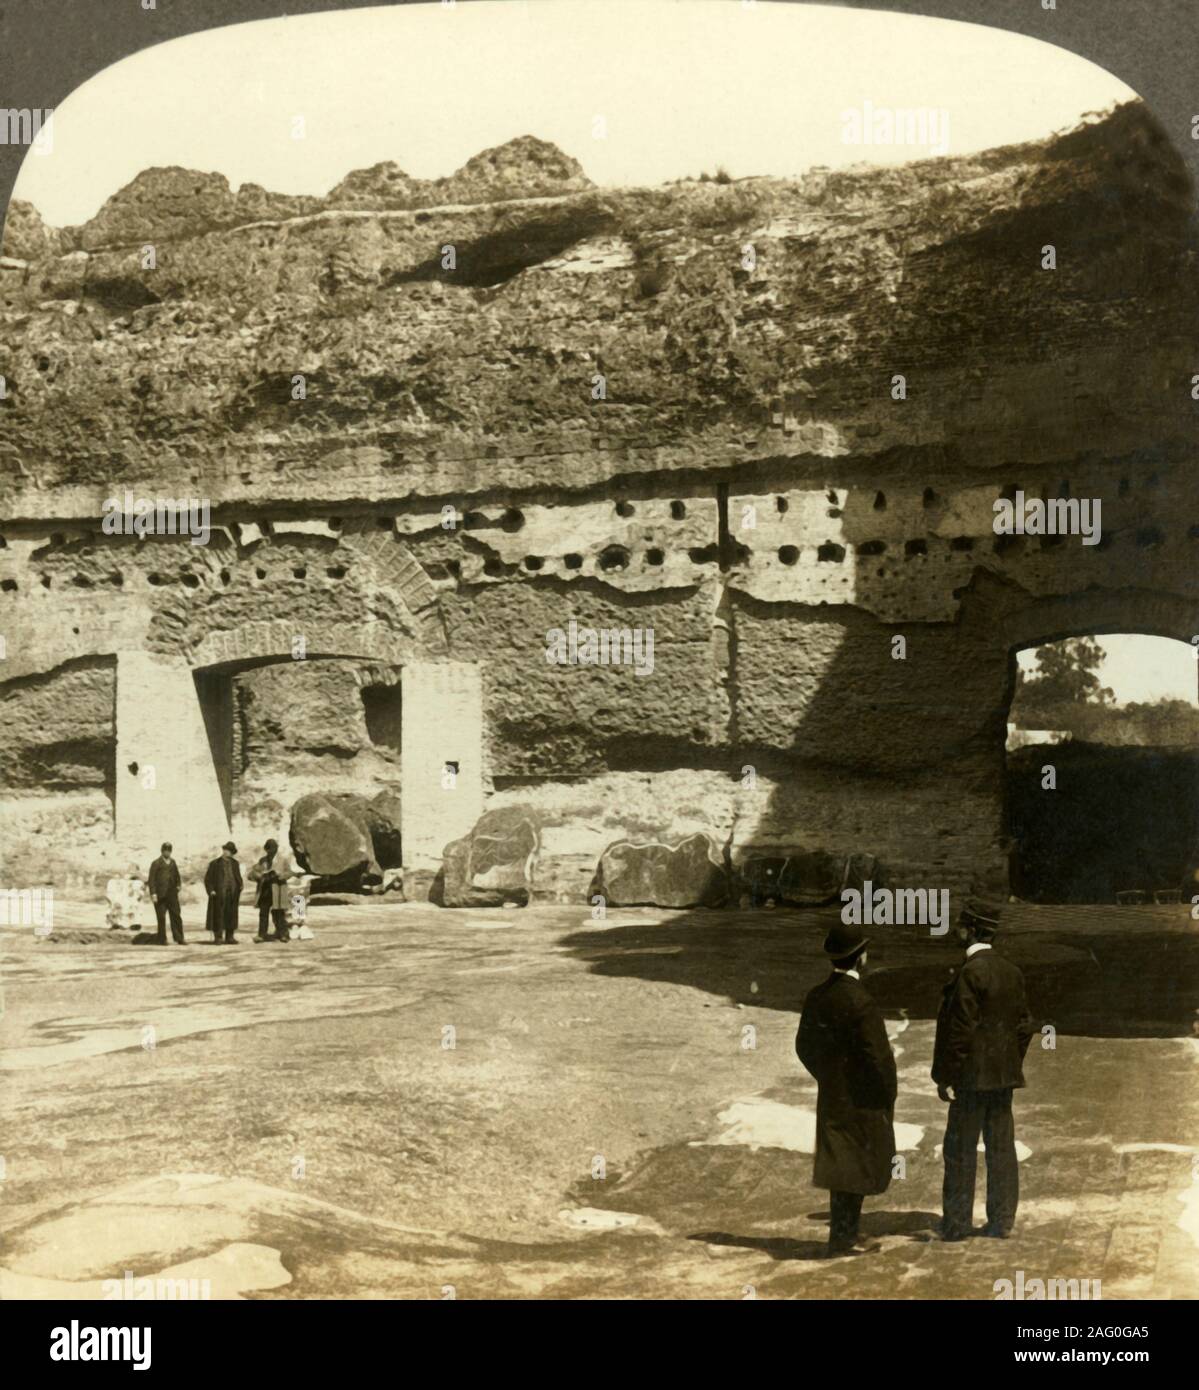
{"x":492,"y":865}
{"x":915,"y":266}
{"x":328,"y":840}
{"x":164,"y":205}
{"x":333,"y":837}
{"x":749,"y":490}
{"x":523,"y":168}
{"x":806,"y":878}
{"x":305,"y":724}
{"x":688,"y":874}
{"x":26,"y":236}
{"x":58,"y":729}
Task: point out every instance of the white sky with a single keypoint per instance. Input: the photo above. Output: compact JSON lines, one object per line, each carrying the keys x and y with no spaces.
{"x":1142,"y":668}
{"x":684,"y":85}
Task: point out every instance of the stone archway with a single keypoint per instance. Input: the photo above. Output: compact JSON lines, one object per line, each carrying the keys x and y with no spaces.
{"x":171,"y":686}
{"x":1156,"y":613}
{"x":170,"y":711}
{"x":1114,"y":814}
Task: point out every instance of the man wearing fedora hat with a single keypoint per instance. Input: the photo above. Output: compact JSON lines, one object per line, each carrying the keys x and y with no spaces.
{"x":983,"y":1032}
{"x":222,"y":881}
{"x":843,"y":1042}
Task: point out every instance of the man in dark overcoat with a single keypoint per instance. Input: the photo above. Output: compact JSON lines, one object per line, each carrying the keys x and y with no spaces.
{"x":222,"y":881}
{"x":164,"y":884}
{"x":843,"y":1042}
{"x":983,"y":1032}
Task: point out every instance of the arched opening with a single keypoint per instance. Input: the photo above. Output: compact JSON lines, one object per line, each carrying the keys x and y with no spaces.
{"x":1102,"y":770}
{"x":279,"y":725}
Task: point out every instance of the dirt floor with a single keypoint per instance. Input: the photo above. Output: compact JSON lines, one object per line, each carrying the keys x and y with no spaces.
{"x":426,"y":1104}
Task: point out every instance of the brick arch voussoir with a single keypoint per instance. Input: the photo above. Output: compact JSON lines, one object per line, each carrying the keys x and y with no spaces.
{"x":274,"y":639}
{"x":398,"y":569}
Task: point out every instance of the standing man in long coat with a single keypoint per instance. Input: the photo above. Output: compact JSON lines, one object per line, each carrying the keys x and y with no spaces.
{"x":164,"y":884}
{"x":983,"y":1032}
{"x":843,"y":1042}
{"x":222,"y":881}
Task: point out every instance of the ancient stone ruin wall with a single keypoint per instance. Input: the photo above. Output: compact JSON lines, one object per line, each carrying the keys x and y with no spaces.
{"x":673,"y":410}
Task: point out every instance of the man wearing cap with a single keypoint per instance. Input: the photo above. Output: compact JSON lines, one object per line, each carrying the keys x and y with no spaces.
{"x":164,"y":884}
{"x":983,"y":1032}
{"x":843,"y":1042}
{"x":222,"y":880}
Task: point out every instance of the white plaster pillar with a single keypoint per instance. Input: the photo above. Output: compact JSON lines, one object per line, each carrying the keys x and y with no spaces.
{"x":174,"y":794}
{"x":442,"y":724}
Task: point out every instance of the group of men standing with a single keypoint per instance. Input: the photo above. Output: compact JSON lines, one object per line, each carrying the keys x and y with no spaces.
{"x":223,"y":883}
{"x":983,"y":1032}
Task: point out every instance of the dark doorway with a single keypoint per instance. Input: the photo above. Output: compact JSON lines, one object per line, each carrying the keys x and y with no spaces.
{"x":383,"y":709}
{"x":1102,"y":785}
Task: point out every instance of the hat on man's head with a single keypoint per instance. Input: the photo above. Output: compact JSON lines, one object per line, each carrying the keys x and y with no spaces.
{"x":843,"y":941}
{"x":984,"y":909}
{"x":230,"y":846}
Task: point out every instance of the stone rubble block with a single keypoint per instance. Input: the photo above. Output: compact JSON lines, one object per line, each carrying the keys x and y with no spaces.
{"x":806,"y":878}
{"x":651,"y":874}
{"x":346,"y":839}
{"x":493,"y":864}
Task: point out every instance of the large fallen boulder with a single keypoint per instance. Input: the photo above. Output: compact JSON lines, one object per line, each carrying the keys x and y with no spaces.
{"x":651,"y":874}
{"x":806,"y":878}
{"x":492,"y":864}
{"x":346,"y":840}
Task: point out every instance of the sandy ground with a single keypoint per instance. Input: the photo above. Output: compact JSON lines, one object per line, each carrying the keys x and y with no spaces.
{"x":426,"y":1104}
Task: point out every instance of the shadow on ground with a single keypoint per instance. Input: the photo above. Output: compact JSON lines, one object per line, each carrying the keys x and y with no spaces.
{"x":875,"y":1225}
{"x":1101,"y":983}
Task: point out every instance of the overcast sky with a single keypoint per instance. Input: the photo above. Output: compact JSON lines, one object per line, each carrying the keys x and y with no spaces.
{"x":684,"y":86}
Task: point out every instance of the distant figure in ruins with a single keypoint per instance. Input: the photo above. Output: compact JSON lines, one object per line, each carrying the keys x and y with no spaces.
{"x":126,"y":897}
{"x":843,"y":1042}
{"x":272,"y":900}
{"x":222,"y":880}
{"x":164,"y":884}
{"x":983,"y":1032}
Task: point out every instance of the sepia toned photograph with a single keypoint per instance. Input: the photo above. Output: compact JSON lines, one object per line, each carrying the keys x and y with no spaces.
{"x":599,"y":669}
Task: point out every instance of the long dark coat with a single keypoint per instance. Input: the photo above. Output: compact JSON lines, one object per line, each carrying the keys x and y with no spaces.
{"x":843,"y":1042}
{"x":222,"y":906}
{"x":983,"y":1026}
